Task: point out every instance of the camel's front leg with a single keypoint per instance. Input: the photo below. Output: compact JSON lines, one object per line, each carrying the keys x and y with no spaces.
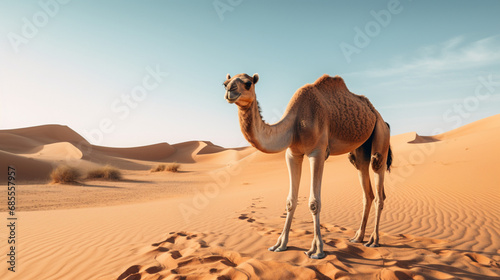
{"x":317,"y":161}
{"x":294,"y":163}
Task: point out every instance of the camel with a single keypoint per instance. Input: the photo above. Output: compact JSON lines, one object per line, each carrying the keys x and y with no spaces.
{"x":321,"y":119}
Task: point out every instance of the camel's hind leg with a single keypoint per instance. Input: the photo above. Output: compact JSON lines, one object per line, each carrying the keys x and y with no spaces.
{"x":380,"y":152}
{"x":360,"y":158}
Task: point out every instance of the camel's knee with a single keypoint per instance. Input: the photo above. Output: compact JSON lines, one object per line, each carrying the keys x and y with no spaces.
{"x":291,"y":204}
{"x":314,"y":206}
{"x":368,"y":198}
{"x":377,"y":161}
{"x":379,"y":202}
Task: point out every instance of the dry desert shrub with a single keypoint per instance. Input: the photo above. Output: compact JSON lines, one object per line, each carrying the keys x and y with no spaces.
{"x":65,"y":174}
{"x":106,"y":172}
{"x":158,"y":168}
{"x":171,"y":167}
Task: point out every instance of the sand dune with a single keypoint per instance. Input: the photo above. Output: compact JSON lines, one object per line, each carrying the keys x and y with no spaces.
{"x":33,"y":169}
{"x":187,"y":151}
{"x":61,"y":150}
{"x":55,"y":144}
{"x":210,"y":148}
{"x":47,"y":134}
{"x":17,"y":144}
{"x":224,"y":156}
{"x":216,"y":219}
{"x":484,"y":126}
{"x":151,"y":152}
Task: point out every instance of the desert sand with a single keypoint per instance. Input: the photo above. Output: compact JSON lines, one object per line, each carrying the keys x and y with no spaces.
{"x":216,"y":218}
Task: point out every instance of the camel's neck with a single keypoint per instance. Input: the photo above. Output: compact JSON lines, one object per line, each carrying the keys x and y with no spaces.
{"x":267,"y":138}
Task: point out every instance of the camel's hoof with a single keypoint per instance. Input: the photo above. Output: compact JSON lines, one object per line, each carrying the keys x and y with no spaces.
{"x":372,"y":245}
{"x":355,"y":240}
{"x":280,"y":249}
{"x":315,"y":256}
{"x":274,"y":249}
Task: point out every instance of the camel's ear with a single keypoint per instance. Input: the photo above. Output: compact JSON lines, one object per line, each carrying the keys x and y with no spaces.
{"x":255,"y":78}
{"x":228,"y":76}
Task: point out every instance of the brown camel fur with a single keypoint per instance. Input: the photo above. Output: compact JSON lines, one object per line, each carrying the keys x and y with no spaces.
{"x":321,"y":119}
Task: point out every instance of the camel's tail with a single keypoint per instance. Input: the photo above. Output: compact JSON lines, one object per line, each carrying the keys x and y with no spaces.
{"x":389,"y":154}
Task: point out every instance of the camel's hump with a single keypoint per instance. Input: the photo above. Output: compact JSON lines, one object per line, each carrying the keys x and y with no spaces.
{"x":329,"y":82}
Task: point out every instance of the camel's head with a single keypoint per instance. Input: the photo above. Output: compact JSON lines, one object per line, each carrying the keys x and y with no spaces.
{"x":240,"y":89}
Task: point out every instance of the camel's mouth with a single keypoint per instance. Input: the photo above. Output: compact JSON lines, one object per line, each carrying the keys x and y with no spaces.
{"x":231,"y":97}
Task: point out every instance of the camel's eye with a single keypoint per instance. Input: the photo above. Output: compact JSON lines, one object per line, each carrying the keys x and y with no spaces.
{"x":248,"y":85}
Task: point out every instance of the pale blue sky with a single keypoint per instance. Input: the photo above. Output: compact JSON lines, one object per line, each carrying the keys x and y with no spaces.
{"x":75,"y":63}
